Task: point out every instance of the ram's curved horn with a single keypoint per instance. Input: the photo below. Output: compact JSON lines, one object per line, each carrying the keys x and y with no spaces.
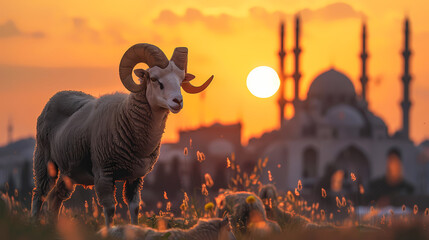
{"x":140,"y":53}
{"x":189,"y":88}
{"x":180,"y":58}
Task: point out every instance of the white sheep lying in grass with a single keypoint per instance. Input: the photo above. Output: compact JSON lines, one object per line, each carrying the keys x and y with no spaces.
{"x":248,"y":216}
{"x":205,"y":229}
{"x":286,"y":220}
{"x":97,"y":141}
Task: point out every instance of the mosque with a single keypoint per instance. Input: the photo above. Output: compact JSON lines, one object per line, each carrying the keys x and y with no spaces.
{"x":334,"y":126}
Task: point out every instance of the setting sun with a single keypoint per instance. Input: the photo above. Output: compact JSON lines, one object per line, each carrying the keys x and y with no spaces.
{"x":263,"y":82}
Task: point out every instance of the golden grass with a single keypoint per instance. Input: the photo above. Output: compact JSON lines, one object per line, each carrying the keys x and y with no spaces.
{"x":15,"y":222}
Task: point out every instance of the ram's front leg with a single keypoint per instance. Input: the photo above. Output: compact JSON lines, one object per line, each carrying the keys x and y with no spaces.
{"x":132,"y":198}
{"x":105,"y":189}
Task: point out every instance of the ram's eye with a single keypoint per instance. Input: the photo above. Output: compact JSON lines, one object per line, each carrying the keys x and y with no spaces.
{"x":161,"y":85}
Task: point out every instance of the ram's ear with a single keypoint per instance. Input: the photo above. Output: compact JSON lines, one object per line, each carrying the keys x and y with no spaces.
{"x":141,"y":73}
{"x":188,"y":77}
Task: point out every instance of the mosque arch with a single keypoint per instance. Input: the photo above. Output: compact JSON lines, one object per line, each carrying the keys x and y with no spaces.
{"x":353,"y":160}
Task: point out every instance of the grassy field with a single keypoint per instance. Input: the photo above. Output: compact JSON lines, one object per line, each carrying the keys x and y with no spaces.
{"x":15,"y":223}
{"x":343,"y":223}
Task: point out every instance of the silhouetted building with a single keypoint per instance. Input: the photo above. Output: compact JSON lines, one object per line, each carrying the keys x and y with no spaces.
{"x":16,"y":164}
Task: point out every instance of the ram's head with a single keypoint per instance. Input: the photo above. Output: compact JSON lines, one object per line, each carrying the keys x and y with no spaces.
{"x":163,"y":80}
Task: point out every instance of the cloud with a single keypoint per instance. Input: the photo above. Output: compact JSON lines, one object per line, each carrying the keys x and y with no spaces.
{"x":332,"y":12}
{"x":269,"y":18}
{"x":82,"y":31}
{"x":221,"y":23}
{"x":116,"y":35}
{"x":9,"y":29}
{"x":47,"y":78}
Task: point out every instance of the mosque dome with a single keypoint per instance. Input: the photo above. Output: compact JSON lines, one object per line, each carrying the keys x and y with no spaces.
{"x":423,"y":151}
{"x":344,"y":116}
{"x":332,"y":85}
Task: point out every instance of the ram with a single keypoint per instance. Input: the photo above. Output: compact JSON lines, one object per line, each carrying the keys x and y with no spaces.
{"x":97,"y":141}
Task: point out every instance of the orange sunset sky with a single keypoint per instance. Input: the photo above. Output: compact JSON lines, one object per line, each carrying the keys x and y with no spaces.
{"x":50,"y":45}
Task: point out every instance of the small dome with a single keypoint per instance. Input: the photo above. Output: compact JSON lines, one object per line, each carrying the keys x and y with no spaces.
{"x":332,"y":85}
{"x":376,"y":121}
{"x":344,"y":116}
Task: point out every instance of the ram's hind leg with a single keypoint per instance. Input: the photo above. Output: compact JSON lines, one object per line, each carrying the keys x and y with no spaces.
{"x":62,"y":191}
{"x":131,"y":195}
{"x":45,"y":176}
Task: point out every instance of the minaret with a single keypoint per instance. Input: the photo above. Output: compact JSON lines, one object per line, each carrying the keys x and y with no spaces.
{"x":406,"y":79}
{"x":9,"y":131}
{"x":282,"y":55}
{"x":363,"y":57}
{"x":296,"y":74}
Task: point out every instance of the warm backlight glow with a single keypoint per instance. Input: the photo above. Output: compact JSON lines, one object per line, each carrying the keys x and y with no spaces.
{"x":263,"y":82}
